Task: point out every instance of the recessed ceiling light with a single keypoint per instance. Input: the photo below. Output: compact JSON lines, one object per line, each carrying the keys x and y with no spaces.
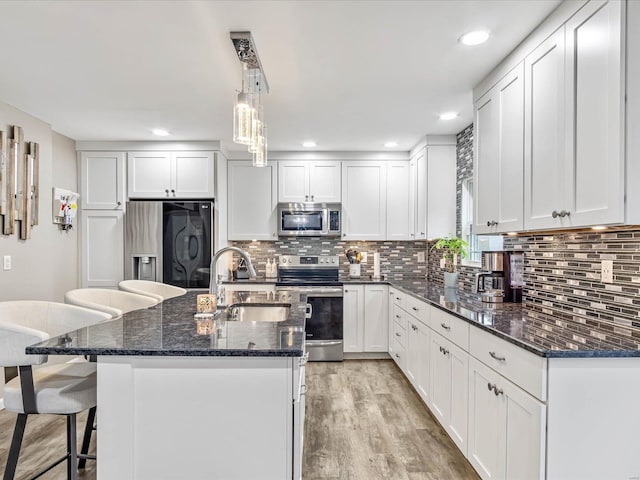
{"x":448,"y":115}
{"x":390,"y":144}
{"x":599,"y":227}
{"x":474,"y":38}
{"x":512,"y":234}
{"x":308,"y":144}
{"x":161,"y":132}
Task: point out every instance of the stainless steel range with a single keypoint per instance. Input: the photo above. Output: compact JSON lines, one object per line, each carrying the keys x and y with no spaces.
{"x":316,"y":276}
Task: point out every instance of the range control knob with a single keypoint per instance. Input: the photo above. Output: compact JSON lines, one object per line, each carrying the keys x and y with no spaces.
{"x":284,"y":260}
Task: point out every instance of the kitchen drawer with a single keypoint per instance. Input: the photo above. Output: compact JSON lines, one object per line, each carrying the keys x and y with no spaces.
{"x":398,"y":298}
{"x":399,"y":330}
{"x":450,"y":327}
{"x":525,"y":369}
{"x":418,"y":309}
{"x":398,"y":353}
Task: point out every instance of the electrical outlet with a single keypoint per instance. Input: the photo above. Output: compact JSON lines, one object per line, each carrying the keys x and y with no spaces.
{"x":364,"y":257}
{"x":443,"y":264}
{"x":6,"y":264}
{"x":421,"y":257}
{"x":606,"y":271}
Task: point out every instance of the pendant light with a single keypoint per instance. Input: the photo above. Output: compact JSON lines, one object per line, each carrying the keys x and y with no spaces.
{"x":249,"y":127}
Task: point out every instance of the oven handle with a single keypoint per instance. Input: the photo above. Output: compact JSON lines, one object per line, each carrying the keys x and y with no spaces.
{"x":309,"y":311}
{"x":330,"y":343}
{"x":314,"y":292}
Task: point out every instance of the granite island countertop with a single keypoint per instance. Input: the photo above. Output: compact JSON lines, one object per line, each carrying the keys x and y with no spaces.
{"x":169,"y":329}
{"x":540,"y":333}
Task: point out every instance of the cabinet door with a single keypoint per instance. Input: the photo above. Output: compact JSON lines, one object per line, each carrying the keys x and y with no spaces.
{"x":417,"y":196}
{"x":293,"y":181}
{"x":102,"y":248}
{"x":441,"y":191}
{"x":364,"y":200}
{"x":400,"y":221}
{"x":376,"y":318}
{"x":102,"y":180}
{"x":193,"y":175}
{"x":545,"y":136}
{"x":251,"y":197}
{"x":418,"y":357}
{"x":325,"y":182}
{"x":150,"y":175}
{"x":353,"y":318}
{"x":499,"y":147}
{"x":595,"y":157}
{"x":486,"y":438}
{"x":448,"y":388}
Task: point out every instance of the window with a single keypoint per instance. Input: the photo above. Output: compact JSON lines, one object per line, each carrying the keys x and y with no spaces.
{"x":477,"y":243}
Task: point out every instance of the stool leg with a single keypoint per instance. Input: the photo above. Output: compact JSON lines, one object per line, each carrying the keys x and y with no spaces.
{"x":86,"y":440}
{"x":72,"y":448}
{"x":16,"y":443}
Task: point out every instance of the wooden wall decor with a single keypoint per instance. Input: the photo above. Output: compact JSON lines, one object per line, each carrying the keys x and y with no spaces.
{"x":19,"y":183}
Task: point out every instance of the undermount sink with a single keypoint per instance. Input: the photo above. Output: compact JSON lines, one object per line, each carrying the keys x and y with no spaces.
{"x":248,"y":312}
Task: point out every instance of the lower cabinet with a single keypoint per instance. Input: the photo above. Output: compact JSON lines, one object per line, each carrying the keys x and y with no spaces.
{"x":448,"y":388}
{"x":417,"y":367}
{"x":102,"y":234}
{"x":506,"y":427}
{"x":365,"y":318}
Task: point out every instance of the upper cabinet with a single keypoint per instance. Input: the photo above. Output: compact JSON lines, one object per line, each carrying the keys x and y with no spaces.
{"x":564,"y":165}
{"x":498,"y":149}
{"x":364,"y":200}
{"x":102,"y":180}
{"x":309,"y":181}
{"x":171,"y":174}
{"x":400,"y":209}
{"x":252,"y":200}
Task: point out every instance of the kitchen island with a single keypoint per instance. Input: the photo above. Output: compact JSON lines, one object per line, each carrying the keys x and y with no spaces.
{"x":223,"y":400}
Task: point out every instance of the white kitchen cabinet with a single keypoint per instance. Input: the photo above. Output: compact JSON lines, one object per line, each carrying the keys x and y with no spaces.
{"x":574,"y":139}
{"x":353,"y":318}
{"x":102,"y":237}
{"x":364,"y":200}
{"x":506,"y":428}
{"x":441,"y":193}
{"x":400,"y":211}
{"x":418,"y":345}
{"x":498,"y":156}
{"x":102,"y":180}
{"x":252,"y":201}
{"x":309,"y":181}
{"x":376,"y":318}
{"x":448,"y":388}
{"x":171,"y":174}
{"x":365,"y":318}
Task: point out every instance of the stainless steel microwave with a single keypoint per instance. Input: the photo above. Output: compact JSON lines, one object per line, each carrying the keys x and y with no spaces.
{"x":309,"y":220}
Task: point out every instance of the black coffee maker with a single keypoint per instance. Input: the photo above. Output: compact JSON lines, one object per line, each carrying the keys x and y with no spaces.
{"x":501,"y":278}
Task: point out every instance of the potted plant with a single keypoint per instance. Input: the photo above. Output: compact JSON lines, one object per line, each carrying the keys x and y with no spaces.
{"x":452,"y":248}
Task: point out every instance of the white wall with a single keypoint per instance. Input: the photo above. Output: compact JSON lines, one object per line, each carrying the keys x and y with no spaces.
{"x":46,"y":265}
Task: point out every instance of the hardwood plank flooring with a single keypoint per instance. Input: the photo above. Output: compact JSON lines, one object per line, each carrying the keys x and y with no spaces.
{"x":363,"y":422}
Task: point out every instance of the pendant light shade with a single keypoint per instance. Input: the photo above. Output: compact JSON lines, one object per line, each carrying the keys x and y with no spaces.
{"x":243,"y":114}
{"x":260,"y":155}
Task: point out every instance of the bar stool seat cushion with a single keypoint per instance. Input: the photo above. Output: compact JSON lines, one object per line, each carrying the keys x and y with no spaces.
{"x":60,"y":389}
{"x":158,"y":290}
{"x":113,"y":302}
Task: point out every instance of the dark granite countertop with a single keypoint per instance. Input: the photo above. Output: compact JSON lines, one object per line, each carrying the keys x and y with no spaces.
{"x":542,"y":334}
{"x":169,"y":329}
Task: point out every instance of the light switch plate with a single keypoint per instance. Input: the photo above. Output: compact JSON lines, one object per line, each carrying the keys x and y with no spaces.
{"x":606,"y":271}
{"x":443,"y":264}
{"x":364,"y":257}
{"x":421,"y":257}
{"x":6,"y":262}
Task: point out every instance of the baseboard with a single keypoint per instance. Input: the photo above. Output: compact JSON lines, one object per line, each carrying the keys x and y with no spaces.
{"x":367,"y":356}
{"x":1,"y":404}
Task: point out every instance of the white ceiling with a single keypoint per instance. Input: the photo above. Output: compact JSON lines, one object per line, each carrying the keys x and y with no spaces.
{"x":348,"y":74}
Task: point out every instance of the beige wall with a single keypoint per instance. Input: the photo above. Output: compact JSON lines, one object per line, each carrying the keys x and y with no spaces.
{"x":45,"y":266}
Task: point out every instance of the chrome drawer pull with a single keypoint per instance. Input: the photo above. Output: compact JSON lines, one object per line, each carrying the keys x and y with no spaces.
{"x":415,"y":309}
{"x":398,"y":298}
{"x":445,"y":326}
{"x":397,"y":356}
{"x":496,"y":391}
{"x":493,"y":355}
{"x":397,"y":334}
{"x":489,"y":386}
{"x":398,"y":316}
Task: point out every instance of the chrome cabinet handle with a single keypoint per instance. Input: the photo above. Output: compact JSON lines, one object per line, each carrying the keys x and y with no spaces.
{"x":173,"y":192}
{"x":491,"y":223}
{"x":414,"y":328}
{"x":565,"y":213}
{"x":398,"y":316}
{"x":489,"y":386}
{"x":166,"y":190}
{"x":445,"y":326}
{"x":344,"y":234}
{"x":398,"y":298}
{"x":398,"y":335}
{"x":415,"y":309}
{"x":500,"y":359}
{"x":118,"y":203}
{"x":306,"y":197}
{"x":444,"y":351}
{"x":561,"y":213}
{"x":497,"y":391}
{"x":422,"y":233}
{"x":397,"y":356}
{"x":313,"y":198}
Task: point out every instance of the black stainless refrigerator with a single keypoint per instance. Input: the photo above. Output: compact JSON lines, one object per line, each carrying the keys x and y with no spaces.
{"x":169,"y":242}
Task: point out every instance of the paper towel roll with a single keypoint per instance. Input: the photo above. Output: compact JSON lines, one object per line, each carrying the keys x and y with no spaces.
{"x":376,"y":265}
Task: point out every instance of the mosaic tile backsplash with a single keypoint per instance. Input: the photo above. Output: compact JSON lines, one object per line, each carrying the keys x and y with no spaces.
{"x":398,"y":260}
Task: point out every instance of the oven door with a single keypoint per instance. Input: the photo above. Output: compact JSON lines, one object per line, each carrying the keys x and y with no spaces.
{"x":301,"y":223}
{"x":324,"y":326}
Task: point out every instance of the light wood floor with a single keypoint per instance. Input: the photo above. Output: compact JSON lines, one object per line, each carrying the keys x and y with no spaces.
{"x":364,"y":422}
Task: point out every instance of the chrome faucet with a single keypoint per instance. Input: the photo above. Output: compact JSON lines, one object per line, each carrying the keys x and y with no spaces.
{"x":213,"y":284}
